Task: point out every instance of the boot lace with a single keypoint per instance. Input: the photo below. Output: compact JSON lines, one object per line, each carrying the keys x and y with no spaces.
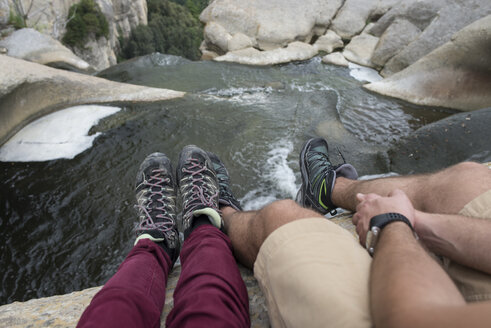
{"x":198,"y":188}
{"x":159,"y":191}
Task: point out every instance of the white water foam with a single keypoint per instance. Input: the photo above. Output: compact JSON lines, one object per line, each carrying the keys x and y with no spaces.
{"x":363,"y":74}
{"x":245,"y":96}
{"x":62,"y":134}
{"x":310,"y":86}
{"x":279,"y":178}
{"x":281,"y":173}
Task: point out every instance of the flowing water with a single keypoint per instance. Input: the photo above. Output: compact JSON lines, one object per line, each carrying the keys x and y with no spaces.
{"x":66,"y":225}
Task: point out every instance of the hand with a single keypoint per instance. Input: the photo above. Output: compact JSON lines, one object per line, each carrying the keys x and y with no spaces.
{"x":371,"y":205}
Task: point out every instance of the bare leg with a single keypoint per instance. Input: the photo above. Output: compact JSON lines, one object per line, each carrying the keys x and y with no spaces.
{"x":444,"y":192}
{"x":248,"y":230}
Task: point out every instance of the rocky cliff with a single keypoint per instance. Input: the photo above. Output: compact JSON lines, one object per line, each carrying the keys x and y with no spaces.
{"x":29,"y":91}
{"x":385,"y":34}
{"x":50,"y":18}
{"x":388,"y":35}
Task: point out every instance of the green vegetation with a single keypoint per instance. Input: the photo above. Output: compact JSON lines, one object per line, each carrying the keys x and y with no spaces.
{"x":195,"y":7}
{"x":85,"y":18}
{"x":16,"y":20}
{"x":172,"y":29}
{"x":20,"y":13}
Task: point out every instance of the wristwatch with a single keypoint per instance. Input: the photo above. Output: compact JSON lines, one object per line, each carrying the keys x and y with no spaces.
{"x":377,"y":223}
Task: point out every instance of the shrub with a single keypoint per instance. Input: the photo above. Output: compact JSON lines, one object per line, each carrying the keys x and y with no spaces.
{"x":16,"y":20}
{"x":85,"y":18}
{"x":171,"y":29}
{"x":194,"y":6}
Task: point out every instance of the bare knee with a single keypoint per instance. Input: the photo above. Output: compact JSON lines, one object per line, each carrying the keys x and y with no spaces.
{"x":470,"y":173}
{"x":281,"y":207}
{"x":283,"y":212}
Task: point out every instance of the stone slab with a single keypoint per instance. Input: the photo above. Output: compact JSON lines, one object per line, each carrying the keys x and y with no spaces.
{"x":65,"y":310}
{"x":29,"y":91}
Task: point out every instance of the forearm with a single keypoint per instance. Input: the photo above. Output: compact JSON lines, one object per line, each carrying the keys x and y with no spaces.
{"x":462,"y":239}
{"x":408,"y":288}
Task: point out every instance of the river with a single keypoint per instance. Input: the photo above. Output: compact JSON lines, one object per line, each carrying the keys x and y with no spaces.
{"x":66,"y":224}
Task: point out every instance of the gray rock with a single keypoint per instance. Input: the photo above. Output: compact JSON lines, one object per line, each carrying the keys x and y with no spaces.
{"x":65,"y":310}
{"x":329,"y":42}
{"x":33,"y":46}
{"x":456,"y":75}
{"x":239,"y":41}
{"x":439,"y":20}
{"x":271,"y":24}
{"x":50,"y":18}
{"x":360,"y":49}
{"x":419,"y":13}
{"x":29,"y":90}
{"x":251,"y":56}
{"x":460,"y":137}
{"x":98,"y":54}
{"x":367,"y":28}
{"x":208,"y":55}
{"x":398,"y":35}
{"x":335,"y":58}
{"x":216,"y":35}
{"x":352,"y":17}
{"x":383,"y":6}
{"x":4,"y":12}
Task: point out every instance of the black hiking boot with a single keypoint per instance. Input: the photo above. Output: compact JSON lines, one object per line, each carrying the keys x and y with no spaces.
{"x":319,"y":176}
{"x":198,"y":186}
{"x":156,"y":198}
{"x":226,"y":196}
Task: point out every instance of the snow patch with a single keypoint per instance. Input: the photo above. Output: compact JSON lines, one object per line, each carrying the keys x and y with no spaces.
{"x":62,"y":134}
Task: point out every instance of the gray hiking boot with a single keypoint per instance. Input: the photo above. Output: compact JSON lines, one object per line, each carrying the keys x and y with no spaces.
{"x":156,"y":198}
{"x":319,"y":176}
{"x":226,"y":196}
{"x":198,"y":186}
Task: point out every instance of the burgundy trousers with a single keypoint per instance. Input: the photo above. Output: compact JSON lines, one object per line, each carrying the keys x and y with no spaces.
{"x":210,"y":291}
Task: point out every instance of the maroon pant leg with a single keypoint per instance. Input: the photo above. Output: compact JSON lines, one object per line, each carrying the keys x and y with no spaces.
{"x":210,"y":291}
{"x":135,"y":295}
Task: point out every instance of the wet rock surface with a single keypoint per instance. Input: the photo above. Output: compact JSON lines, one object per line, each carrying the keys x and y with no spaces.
{"x":460,"y":137}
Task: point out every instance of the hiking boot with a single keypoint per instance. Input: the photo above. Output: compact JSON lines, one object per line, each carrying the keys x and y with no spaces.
{"x":156,"y":199}
{"x":198,"y":186}
{"x":319,"y":176}
{"x":226,"y":196}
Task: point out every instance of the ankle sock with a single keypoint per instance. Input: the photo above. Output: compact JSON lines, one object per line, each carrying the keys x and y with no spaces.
{"x":199,"y":221}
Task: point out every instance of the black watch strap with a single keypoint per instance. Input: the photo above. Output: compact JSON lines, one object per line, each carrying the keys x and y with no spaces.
{"x":382,"y":220}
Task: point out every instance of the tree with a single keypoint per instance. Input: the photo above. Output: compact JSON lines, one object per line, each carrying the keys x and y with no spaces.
{"x":86,"y":18}
{"x":173,"y":28}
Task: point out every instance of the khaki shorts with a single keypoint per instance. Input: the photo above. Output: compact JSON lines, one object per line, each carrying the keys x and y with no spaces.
{"x":315,"y":274}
